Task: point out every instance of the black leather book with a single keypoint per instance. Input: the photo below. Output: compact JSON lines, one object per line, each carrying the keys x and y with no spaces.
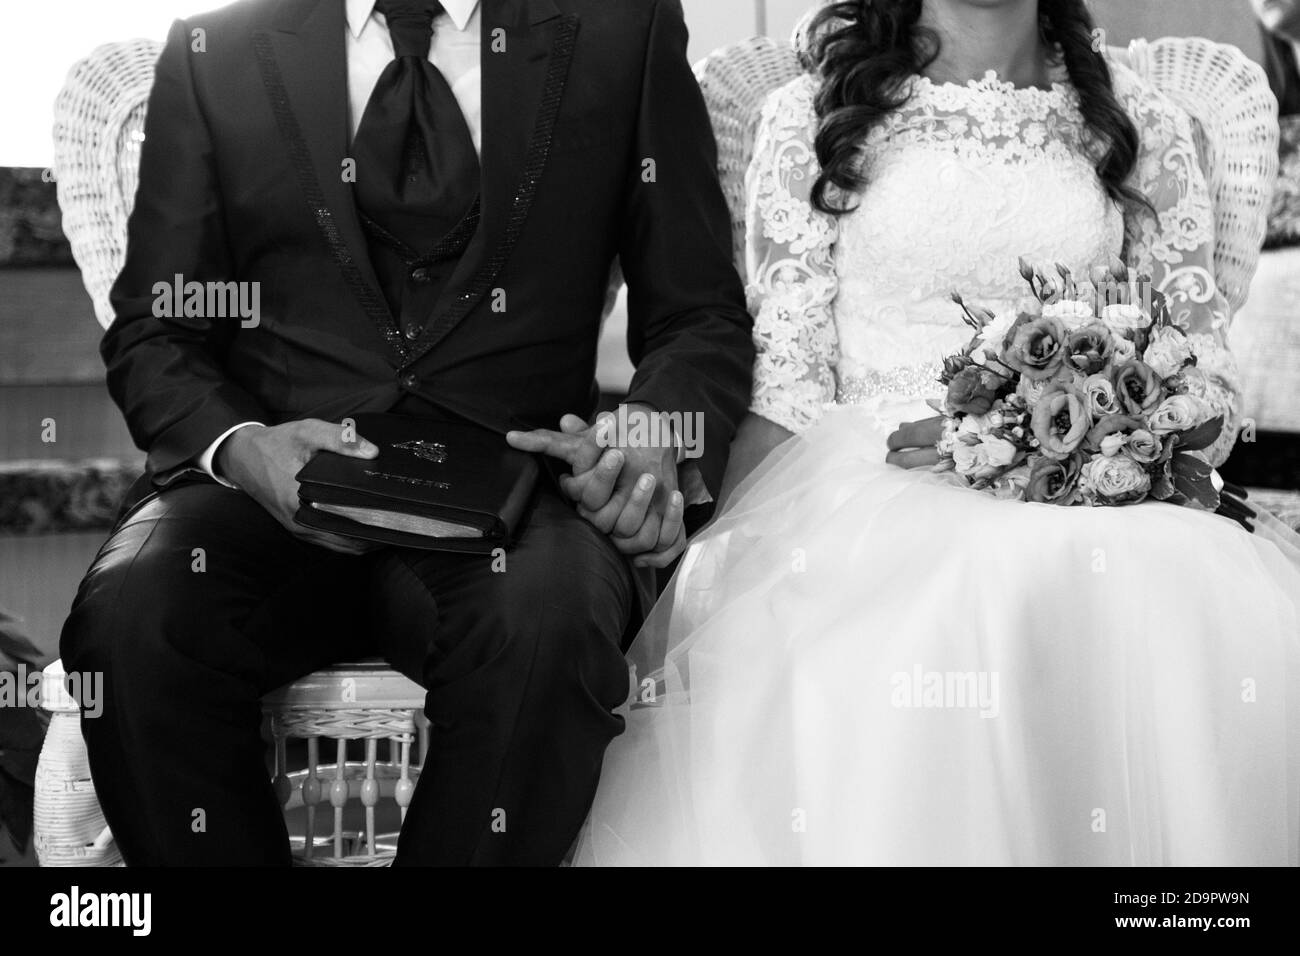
{"x":442,"y":486}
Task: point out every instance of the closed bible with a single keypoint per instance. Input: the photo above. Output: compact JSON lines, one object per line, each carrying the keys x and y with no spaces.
{"x":443,"y":486}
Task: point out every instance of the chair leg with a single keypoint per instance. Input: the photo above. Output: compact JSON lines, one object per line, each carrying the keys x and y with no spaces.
{"x":339,"y":796}
{"x":370,"y":792}
{"x":311,"y":794}
{"x":405,"y":788}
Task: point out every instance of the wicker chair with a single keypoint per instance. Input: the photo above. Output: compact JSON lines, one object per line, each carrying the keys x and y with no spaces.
{"x":68,"y":826}
{"x":99,"y":125}
{"x":735,"y":80}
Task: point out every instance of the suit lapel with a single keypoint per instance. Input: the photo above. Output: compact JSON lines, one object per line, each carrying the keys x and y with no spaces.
{"x":303,"y":61}
{"x":526,"y":49}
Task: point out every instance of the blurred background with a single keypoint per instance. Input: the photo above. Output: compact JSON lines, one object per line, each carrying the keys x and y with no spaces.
{"x":65,"y":456}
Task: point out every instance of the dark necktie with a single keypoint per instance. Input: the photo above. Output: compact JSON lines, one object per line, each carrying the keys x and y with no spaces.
{"x":417,"y":172}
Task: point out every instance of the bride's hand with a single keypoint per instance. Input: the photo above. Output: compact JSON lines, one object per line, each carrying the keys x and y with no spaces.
{"x":912,"y":445}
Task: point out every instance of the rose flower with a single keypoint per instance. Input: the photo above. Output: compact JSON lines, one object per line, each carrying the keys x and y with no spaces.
{"x":1054,"y":482}
{"x":1061,"y":420}
{"x":972,"y":391}
{"x":1168,"y":351}
{"x":1116,"y":433}
{"x":1035,"y":347}
{"x":1178,"y":413}
{"x":1099,"y":390}
{"x":1138,"y":388}
{"x":1088,"y":349}
{"x":1114,"y":481}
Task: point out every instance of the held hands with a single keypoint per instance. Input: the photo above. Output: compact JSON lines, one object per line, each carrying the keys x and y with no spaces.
{"x":913,"y":444}
{"x":263,"y":461}
{"x":628,"y":490}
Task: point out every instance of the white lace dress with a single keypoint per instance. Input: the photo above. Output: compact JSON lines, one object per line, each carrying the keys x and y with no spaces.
{"x":861,"y":664}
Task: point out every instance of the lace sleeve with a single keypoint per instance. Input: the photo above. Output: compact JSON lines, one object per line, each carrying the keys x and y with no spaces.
{"x":1175,"y":246}
{"x":791,"y":274}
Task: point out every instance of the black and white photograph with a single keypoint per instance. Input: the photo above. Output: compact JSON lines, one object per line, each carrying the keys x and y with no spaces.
{"x":650,"y":433}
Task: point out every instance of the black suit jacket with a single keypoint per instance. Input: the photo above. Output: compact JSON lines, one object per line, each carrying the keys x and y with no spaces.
{"x":241,"y":179}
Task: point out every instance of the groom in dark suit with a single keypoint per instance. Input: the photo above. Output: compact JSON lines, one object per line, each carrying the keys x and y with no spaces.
{"x":423,"y":200}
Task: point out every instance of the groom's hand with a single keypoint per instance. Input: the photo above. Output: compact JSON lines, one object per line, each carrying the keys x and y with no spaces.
{"x":263,"y":462}
{"x":625,"y":488}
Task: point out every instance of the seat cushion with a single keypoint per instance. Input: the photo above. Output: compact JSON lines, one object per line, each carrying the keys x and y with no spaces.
{"x":1266,"y":339}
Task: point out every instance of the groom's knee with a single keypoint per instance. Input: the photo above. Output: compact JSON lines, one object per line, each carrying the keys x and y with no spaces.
{"x":560,"y":623}
{"x":545,"y":617}
{"x":152,"y":607}
{"x":573,"y":593}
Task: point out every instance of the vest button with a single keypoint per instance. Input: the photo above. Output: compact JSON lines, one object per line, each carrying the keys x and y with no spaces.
{"x":409,"y":380}
{"x":420,"y":274}
{"x":413,"y":332}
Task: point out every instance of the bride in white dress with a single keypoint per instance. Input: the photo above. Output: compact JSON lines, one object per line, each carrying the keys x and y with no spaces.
{"x":862,"y":663}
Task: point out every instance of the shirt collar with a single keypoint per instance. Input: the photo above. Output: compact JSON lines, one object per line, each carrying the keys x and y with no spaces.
{"x":359,"y":12}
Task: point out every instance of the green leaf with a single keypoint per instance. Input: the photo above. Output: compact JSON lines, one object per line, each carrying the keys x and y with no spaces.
{"x":1162,"y":489}
{"x":1192,"y":478}
{"x":1202,"y":436}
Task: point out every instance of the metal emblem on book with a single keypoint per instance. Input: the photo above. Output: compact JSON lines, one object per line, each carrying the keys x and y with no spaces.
{"x":433,"y":451}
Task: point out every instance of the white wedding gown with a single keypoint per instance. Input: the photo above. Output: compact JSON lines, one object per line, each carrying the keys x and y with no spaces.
{"x":858,"y":664}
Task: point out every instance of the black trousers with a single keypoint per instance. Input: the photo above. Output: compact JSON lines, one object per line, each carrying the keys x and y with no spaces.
{"x":200,"y":603}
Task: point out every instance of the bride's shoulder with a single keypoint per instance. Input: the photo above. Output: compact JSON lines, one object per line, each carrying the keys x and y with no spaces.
{"x":1144,"y":102}
{"x":792,"y":104}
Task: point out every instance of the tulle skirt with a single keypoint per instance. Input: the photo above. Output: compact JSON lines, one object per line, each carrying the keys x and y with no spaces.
{"x":857,"y":664}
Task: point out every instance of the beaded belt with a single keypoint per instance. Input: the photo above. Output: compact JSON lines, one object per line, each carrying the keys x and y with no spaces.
{"x":915,"y":381}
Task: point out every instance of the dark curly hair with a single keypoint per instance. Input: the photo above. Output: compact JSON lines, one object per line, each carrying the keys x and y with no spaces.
{"x":866,"y":51}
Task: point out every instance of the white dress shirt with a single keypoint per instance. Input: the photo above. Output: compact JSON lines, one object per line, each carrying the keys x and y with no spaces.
{"x":454,"y":51}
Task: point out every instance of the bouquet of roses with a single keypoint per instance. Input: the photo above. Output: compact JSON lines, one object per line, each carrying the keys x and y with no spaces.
{"x":1079,"y":396}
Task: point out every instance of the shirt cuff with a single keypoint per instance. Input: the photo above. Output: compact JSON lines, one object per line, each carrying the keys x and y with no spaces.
{"x":691,"y":484}
{"x":206,"y":460}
